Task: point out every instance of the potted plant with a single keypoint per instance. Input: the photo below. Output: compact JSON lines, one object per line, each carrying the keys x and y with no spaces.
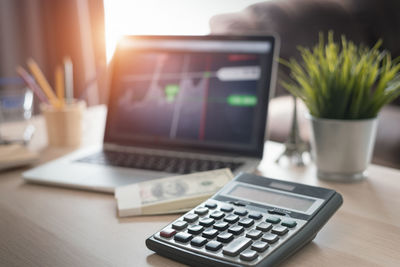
{"x":344,"y":86}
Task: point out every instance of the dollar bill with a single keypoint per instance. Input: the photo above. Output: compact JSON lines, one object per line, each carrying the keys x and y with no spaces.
{"x":166,"y":195}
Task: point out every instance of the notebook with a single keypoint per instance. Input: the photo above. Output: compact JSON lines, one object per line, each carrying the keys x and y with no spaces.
{"x":16,"y":155}
{"x":177,"y":105}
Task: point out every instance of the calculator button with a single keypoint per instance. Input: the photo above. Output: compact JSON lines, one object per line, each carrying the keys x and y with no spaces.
{"x":254,"y":234}
{"x":236,"y":229}
{"x":289,"y":223}
{"x":217,"y":215}
{"x":167,"y":233}
{"x":183,"y":237}
{"x":276,"y":212}
{"x":237,"y":246}
{"x":255,"y":215}
{"x":211,"y":205}
{"x":264,"y":226}
{"x":201,"y":211}
{"x":195,"y":229}
{"x":246,"y":222}
{"x":206,"y":222}
{"x":222,"y":226}
{"x":225,"y":237}
{"x":213,"y":245}
{"x":210,"y":233}
{"x":270,"y":238}
{"x":179,"y":225}
{"x":279,"y":230}
{"x":241,"y":212}
{"x":226,"y":208}
{"x":273,"y":219}
{"x":248,"y":255}
{"x":238,"y":203}
{"x":198,"y":241}
{"x":259,"y":246}
{"x":231,"y":218}
{"x":191,"y":217}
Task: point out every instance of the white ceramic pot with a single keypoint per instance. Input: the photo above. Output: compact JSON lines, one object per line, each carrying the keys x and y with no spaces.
{"x":342,"y":149}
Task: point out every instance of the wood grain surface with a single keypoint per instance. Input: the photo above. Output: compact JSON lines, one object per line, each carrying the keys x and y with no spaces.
{"x":51,"y":226}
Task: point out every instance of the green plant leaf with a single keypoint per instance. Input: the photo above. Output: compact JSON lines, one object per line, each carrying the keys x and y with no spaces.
{"x":343,"y":80}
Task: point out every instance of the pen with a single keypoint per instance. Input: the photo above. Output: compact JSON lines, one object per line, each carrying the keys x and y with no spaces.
{"x":69,"y":79}
{"x":59,"y":82}
{"x":30,"y":82}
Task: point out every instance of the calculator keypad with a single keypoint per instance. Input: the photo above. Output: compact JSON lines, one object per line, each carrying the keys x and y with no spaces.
{"x":259,"y":246}
{"x":241,"y":212}
{"x":255,"y":215}
{"x":246,"y":222}
{"x":237,"y":246}
{"x":279,"y":230}
{"x":237,"y":234}
{"x":236,"y":229}
{"x":273,"y":219}
{"x":270,"y":238}
{"x":191,"y":217}
{"x":225,"y":237}
{"x":198,"y":241}
{"x":221,"y":226}
{"x":195,"y":229}
{"x":201,"y":210}
{"x":226,"y":208}
{"x":231,"y":218}
{"x":248,"y":255}
{"x":210,"y":233}
{"x":167,"y":233}
{"x":217,"y":215}
{"x":206,"y":222}
{"x":254,"y":234}
{"x":211,"y":205}
{"x":289,"y":223}
{"x":213,"y":245}
{"x":183,"y":237}
{"x":263,"y":226}
{"x":179,"y":225}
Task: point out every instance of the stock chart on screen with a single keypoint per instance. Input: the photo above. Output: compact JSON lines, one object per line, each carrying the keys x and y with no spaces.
{"x":205,"y":97}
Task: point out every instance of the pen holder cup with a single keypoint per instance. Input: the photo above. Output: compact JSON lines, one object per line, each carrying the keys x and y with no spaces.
{"x":64,"y":125}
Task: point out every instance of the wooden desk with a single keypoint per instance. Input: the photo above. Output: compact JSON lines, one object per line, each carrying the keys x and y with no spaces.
{"x":50,"y":226}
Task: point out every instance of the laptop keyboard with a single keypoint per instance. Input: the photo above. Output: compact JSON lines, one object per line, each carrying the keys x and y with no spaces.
{"x":162,"y":163}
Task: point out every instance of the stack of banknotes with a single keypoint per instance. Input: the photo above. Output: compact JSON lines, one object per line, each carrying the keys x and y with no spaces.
{"x":170,"y":195}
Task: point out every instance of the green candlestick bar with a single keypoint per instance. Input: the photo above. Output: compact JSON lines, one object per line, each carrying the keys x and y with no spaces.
{"x":242,"y":100}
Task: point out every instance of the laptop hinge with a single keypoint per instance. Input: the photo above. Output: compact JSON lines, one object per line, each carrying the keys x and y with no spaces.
{"x":199,"y":155}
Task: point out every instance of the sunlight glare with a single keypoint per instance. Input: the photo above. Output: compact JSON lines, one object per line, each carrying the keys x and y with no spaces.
{"x":161,"y":17}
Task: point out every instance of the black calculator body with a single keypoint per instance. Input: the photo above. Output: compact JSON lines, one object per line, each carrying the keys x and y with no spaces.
{"x":251,"y":221}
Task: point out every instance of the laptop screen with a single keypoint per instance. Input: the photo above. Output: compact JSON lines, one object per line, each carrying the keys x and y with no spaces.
{"x":191,"y":93}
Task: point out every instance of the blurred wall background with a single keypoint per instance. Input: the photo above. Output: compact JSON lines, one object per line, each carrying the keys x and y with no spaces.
{"x":49,"y":30}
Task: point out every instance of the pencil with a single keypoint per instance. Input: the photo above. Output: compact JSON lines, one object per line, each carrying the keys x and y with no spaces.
{"x":43,"y":83}
{"x":59,"y":81}
{"x":30,"y":82}
{"x":69,"y":79}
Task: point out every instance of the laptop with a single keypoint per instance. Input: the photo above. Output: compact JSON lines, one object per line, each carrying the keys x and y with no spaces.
{"x":177,"y":105}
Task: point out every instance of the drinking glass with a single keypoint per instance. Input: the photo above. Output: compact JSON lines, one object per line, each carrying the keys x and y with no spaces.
{"x":16,"y":107}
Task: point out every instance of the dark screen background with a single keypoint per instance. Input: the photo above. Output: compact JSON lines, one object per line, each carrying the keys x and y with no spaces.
{"x":181,"y":97}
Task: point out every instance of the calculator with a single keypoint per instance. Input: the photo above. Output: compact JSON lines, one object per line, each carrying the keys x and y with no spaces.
{"x":251,"y":221}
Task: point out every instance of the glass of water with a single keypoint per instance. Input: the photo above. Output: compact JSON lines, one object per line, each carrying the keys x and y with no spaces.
{"x":16,"y":107}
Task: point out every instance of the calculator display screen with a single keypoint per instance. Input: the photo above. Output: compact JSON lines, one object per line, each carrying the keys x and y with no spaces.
{"x":275,"y":198}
